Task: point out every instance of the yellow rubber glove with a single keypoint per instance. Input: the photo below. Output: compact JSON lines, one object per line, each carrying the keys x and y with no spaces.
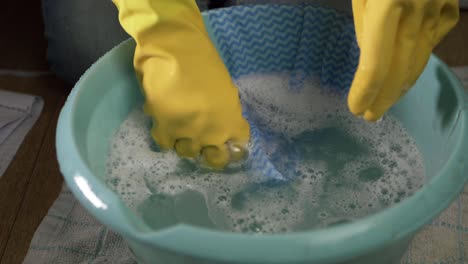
{"x":188,"y":91}
{"x":396,"y":38}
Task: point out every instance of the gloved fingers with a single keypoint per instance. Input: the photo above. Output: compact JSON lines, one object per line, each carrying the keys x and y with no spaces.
{"x":237,"y":151}
{"x":440,"y":20}
{"x":187,"y":148}
{"x":449,"y":14}
{"x":238,"y":143}
{"x":241,"y":135}
{"x":233,"y":150}
{"x":422,"y":55}
{"x":358,"y":11}
{"x":377,"y":49}
{"x":163,"y":140}
{"x":216,"y":157}
{"x":419,"y":32}
{"x":392,"y":91}
{"x":402,"y":68}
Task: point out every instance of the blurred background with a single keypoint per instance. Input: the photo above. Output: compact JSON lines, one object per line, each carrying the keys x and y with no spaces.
{"x":73,"y":34}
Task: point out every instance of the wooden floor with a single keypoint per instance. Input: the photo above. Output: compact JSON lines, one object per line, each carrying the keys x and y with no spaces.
{"x":33,"y":181}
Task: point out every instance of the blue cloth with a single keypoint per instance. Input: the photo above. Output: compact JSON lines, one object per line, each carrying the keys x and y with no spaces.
{"x":300,"y":39}
{"x":305,"y":40}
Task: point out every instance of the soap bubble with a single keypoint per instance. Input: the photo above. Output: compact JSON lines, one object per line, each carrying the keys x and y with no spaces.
{"x":347,"y":168}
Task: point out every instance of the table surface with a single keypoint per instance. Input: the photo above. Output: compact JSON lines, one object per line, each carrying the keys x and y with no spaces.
{"x":33,"y":181}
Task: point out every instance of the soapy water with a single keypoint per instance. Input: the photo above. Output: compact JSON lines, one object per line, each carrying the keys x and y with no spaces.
{"x":340,"y":168}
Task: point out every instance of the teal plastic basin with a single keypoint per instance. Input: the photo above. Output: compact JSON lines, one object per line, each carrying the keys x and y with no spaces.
{"x":434,"y":112}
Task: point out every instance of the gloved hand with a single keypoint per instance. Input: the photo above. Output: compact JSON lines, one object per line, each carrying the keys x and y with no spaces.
{"x":396,"y":38}
{"x":188,"y":91}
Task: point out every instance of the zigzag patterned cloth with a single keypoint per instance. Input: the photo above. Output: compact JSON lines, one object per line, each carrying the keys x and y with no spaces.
{"x":303,"y":40}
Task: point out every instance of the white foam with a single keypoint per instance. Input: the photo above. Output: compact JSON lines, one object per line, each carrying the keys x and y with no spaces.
{"x":317,"y":198}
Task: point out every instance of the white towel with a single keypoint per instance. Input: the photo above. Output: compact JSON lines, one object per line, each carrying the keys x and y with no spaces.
{"x":18,"y":113}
